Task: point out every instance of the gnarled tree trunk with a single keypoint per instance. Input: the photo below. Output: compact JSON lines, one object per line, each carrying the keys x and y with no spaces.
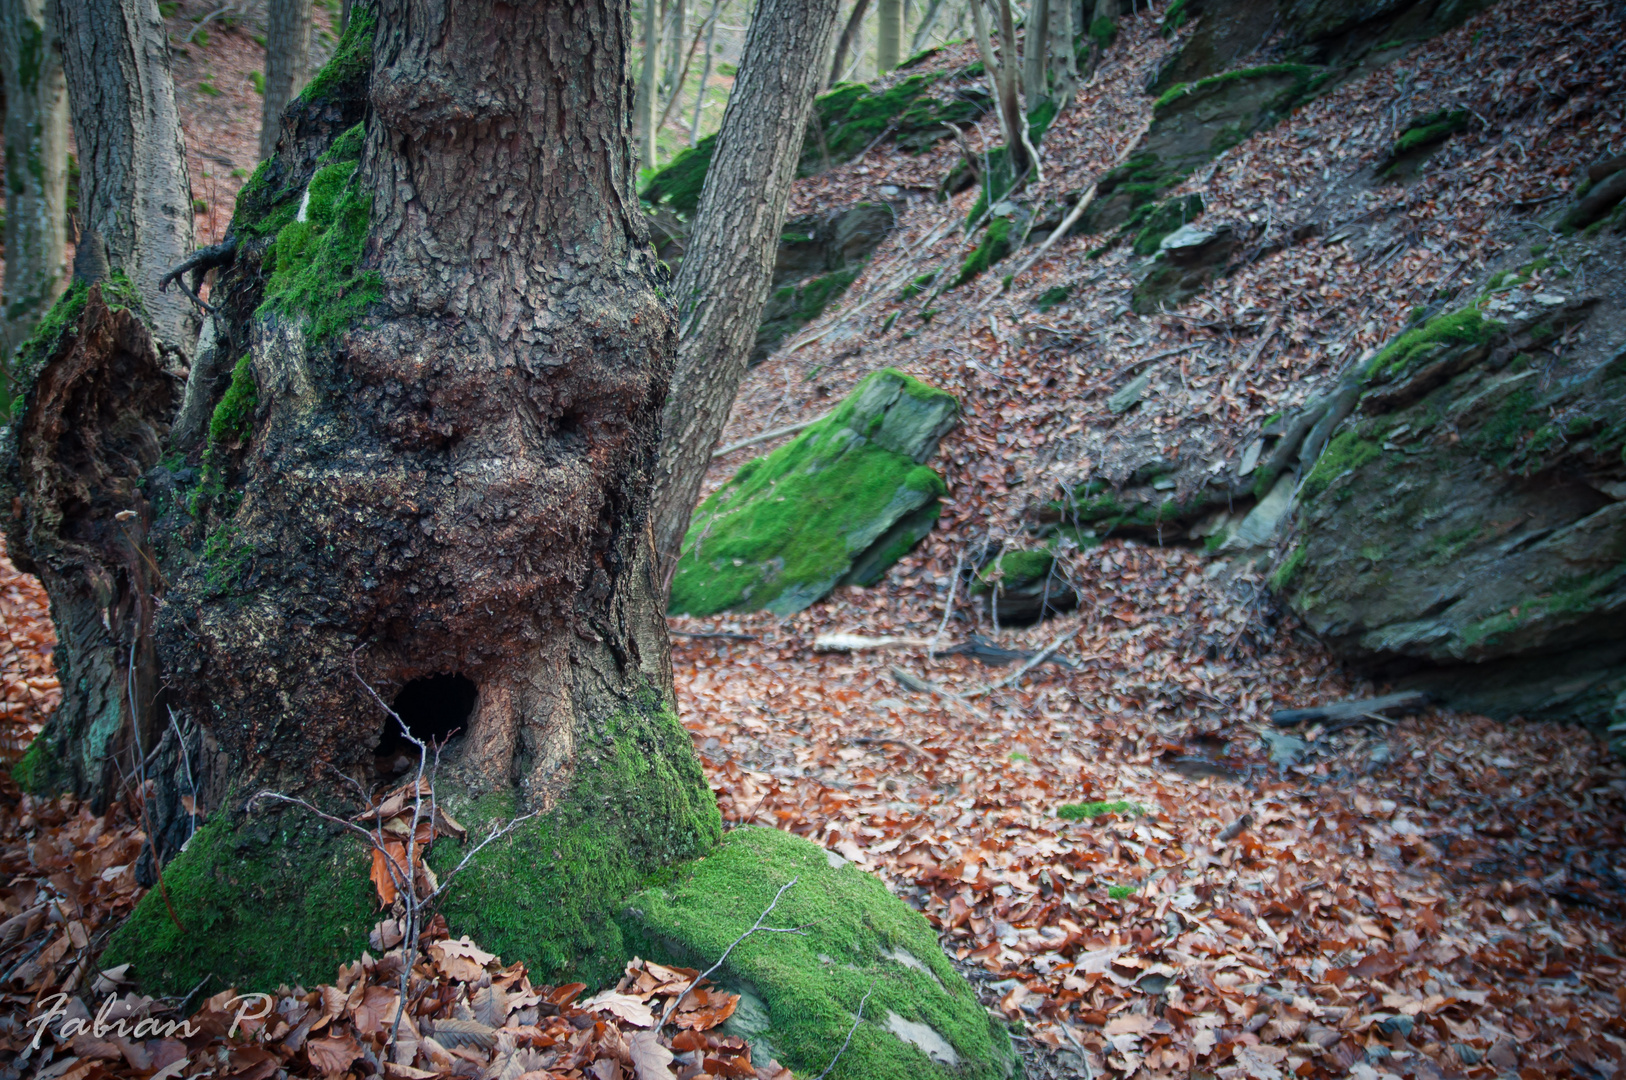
{"x":134,"y":192}
{"x":36,"y":167}
{"x":723,"y":281}
{"x":429,"y":476}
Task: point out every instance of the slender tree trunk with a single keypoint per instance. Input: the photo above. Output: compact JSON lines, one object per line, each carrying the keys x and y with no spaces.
{"x":927,"y":22}
{"x":683,"y":77}
{"x":723,"y":281}
{"x":36,"y":135}
{"x":1006,"y":106}
{"x":855,"y":24}
{"x":645,"y":101}
{"x":705,"y":71}
{"x":888,"y":35}
{"x":1063,"y":38}
{"x":134,"y":190}
{"x":1036,"y":51}
{"x":1103,"y":11}
{"x":676,"y":16}
{"x":287,"y":62}
{"x":1010,"y":70}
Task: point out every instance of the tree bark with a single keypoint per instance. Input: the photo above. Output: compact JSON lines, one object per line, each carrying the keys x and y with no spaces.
{"x":1036,"y":51}
{"x":888,"y":35}
{"x":855,"y":25}
{"x":36,"y":137}
{"x":134,"y":190}
{"x":723,"y":281}
{"x":644,"y":107}
{"x":78,"y":517}
{"x":287,"y":63}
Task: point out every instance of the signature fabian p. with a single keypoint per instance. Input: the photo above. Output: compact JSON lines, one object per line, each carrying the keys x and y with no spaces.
{"x":107,"y":1021}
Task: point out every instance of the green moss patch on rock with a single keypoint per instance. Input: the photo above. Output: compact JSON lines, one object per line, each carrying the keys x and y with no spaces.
{"x":548,"y":893}
{"x":801,"y":992}
{"x":996,"y":244}
{"x":791,"y":526}
{"x":1152,"y":223}
{"x":1464,"y":327}
{"x":1345,"y":453}
{"x":793,"y":306}
{"x":1013,"y":569}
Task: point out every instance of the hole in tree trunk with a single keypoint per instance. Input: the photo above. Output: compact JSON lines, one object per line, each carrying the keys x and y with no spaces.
{"x":434,"y":707}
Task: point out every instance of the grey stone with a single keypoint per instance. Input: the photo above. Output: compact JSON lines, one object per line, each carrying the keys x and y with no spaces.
{"x":925,"y":1037}
{"x":1130,"y":395}
{"x":1459,"y":528}
{"x":1259,"y":527}
{"x":1285,"y":750}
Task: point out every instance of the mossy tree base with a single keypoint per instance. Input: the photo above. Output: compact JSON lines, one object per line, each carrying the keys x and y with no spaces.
{"x":283,"y":898}
{"x":802,"y":991}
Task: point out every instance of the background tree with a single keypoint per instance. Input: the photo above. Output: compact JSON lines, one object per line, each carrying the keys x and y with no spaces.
{"x":287,"y":64}
{"x":723,"y":281}
{"x":134,"y":192}
{"x":845,"y":44}
{"x":1036,"y":52}
{"x":90,"y":425}
{"x":888,"y":35}
{"x":36,"y":135}
{"x":1001,"y":68}
{"x":644,"y":107}
{"x":928,"y":22}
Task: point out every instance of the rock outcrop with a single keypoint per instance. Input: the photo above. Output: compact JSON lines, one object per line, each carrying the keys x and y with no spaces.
{"x":838,"y":505}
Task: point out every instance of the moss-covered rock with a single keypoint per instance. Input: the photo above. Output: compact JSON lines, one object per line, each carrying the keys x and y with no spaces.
{"x":1466,"y":526}
{"x":1021,"y":587}
{"x":801,"y":991}
{"x":838,"y":504}
{"x":285,"y":899}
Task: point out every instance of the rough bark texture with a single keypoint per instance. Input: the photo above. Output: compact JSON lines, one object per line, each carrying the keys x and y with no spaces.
{"x":888,"y":35}
{"x":134,"y":190}
{"x":88,"y":428}
{"x":36,"y":167}
{"x":453,"y":483}
{"x":849,"y":34}
{"x":287,"y":64}
{"x":723,"y":281}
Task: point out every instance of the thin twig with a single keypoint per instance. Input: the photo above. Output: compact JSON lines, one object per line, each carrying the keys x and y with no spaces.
{"x":789,"y":429}
{"x":859,"y":1019}
{"x":672,"y":1005}
{"x":948,"y":607}
{"x":1038,"y":658}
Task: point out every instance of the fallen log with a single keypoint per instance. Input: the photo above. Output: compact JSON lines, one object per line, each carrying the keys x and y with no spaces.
{"x":1405,"y":702}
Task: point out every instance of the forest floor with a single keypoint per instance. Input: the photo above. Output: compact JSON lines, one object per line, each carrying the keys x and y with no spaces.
{"x":1136,"y":869}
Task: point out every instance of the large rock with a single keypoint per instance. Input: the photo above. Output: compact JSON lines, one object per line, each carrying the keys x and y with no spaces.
{"x":801,"y":992}
{"x":837,"y":505}
{"x":1331,"y":32}
{"x":1466,"y":531}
